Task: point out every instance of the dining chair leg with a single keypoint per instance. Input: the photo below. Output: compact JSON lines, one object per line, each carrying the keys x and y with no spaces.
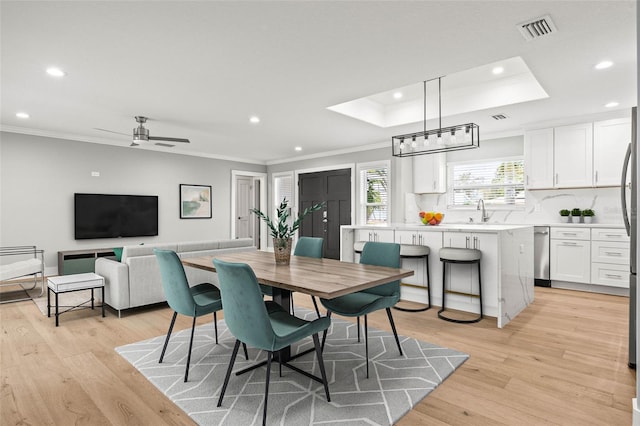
{"x":366,"y":343}
{"x":292,"y":309}
{"x":358,"y":329}
{"x":323,"y":373}
{"x":193,"y":328}
{"x":166,"y":341}
{"x":266,"y":388}
{"x":226,"y":378}
{"x":393,"y":327}
{"x":246,"y":354}
{"x":315,"y":305}
{"x":324,"y":334}
{"x":215,"y":325}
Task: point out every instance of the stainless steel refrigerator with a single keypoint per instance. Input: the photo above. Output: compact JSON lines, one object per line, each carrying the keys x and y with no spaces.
{"x":630,"y":216}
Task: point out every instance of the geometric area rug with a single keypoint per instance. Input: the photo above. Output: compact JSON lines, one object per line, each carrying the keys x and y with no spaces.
{"x":395,"y":385}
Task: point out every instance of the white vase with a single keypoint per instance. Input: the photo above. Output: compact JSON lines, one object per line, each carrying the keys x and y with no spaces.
{"x":566,"y":219}
{"x":587,"y":219}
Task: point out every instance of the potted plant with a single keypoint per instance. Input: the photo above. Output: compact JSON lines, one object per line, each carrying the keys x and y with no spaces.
{"x":283,"y":232}
{"x":564,"y":213}
{"x":587,"y":215}
{"x":577,"y":213}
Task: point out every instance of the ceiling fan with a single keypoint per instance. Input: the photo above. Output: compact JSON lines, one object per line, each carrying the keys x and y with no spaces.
{"x":141,"y":135}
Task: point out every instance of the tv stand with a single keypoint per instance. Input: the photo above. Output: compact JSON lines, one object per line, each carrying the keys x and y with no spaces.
{"x":81,"y":261}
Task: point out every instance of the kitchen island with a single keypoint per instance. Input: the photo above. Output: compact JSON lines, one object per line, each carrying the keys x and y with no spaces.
{"x":507,"y":264}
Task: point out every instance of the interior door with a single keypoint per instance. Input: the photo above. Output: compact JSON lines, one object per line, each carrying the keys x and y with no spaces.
{"x":334,"y":188}
{"x":244,"y":203}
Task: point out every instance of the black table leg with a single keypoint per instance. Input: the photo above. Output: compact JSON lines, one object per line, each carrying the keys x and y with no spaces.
{"x":57,"y":314}
{"x":92,"y":304}
{"x":48,"y":302}
{"x":102,"y":301}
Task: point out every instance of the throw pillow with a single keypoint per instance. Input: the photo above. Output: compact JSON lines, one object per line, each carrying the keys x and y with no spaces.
{"x":118,"y":253}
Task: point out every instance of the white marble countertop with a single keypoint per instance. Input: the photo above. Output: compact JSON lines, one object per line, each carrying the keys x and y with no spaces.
{"x":481,"y":227}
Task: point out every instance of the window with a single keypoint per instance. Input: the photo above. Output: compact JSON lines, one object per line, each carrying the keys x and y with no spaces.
{"x":499,"y":182}
{"x":282,"y":188}
{"x":374,"y":193}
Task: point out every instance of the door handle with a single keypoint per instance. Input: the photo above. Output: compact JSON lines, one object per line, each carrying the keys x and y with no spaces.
{"x":324,"y":220}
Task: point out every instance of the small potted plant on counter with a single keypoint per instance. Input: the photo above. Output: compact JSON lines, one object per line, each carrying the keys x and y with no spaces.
{"x":577,"y":214}
{"x":587,"y":215}
{"x":564,"y":213}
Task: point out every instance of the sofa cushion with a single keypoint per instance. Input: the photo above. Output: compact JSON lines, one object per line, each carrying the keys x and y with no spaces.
{"x":238,"y":242}
{"x":144,"y":250}
{"x":188,"y":246}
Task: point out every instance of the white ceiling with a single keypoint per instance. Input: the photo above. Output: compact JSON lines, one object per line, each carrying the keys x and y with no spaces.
{"x":199,"y":70}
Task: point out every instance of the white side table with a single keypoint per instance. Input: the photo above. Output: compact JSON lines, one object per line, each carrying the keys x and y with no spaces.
{"x":70,"y":283}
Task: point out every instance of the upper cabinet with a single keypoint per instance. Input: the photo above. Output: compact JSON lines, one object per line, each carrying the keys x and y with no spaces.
{"x":429,"y":173}
{"x":573,"y":155}
{"x":578,"y":156}
{"x":610,"y":141}
{"x":538,"y":159}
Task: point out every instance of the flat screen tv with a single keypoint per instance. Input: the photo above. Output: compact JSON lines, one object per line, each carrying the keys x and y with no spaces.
{"x":115,"y":216}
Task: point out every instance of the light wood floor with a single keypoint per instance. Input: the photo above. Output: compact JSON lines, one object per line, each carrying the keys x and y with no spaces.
{"x":562,"y":361}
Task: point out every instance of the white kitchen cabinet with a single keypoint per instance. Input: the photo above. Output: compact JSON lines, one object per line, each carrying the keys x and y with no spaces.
{"x":610,"y":141}
{"x":610,"y":254}
{"x":538,"y":159}
{"x":379,"y":235}
{"x":570,"y":250}
{"x":429,"y":173}
{"x":573,"y":156}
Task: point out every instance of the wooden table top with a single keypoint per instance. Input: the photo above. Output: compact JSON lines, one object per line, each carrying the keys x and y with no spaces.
{"x":325,"y":278}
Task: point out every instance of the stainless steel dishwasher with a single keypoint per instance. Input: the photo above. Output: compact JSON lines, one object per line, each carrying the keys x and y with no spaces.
{"x":541,"y":256}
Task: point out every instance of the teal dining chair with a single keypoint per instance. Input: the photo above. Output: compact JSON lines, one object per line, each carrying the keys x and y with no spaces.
{"x":196,"y":301}
{"x":307,"y":247}
{"x":372,"y":299}
{"x":261,"y":324}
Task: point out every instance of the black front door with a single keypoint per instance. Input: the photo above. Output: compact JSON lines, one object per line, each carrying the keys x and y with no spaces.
{"x":334,"y":188}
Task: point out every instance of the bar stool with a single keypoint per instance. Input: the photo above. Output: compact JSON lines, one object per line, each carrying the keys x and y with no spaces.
{"x":409,"y":251}
{"x":453,"y":255}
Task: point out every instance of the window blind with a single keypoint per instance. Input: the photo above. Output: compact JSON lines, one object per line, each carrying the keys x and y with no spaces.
{"x":374,"y":190}
{"x":498,"y":182}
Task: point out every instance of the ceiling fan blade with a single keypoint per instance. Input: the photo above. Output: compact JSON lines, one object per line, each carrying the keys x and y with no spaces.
{"x":164,"y":144}
{"x":111,"y":131}
{"x":161,"y":138}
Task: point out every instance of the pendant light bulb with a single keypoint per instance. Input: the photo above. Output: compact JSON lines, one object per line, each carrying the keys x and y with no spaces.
{"x":467,"y":134}
{"x":413,"y":142}
{"x":439,"y":138}
{"x":401,"y":144}
{"x":453,"y":136}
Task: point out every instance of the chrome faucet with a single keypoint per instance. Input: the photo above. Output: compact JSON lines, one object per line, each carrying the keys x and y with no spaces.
{"x":480,"y":206}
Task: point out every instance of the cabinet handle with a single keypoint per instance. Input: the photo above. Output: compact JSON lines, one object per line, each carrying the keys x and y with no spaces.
{"x":612,"y":235}
{"x":613,"y":253}
{"x":420,"y":239}
{"x":566,"y":243}
{"x":527,"y":180}
{"x":475,"y":242}
{"x":569,"y":233}
{"x":613,"y":276}
{"x":434,"y":185}
{"x":596,"y":176}
{"x":466,"y":244}
{"x":413,"y":239}
{"x":370,"y":236}
{"x":556,"y":178}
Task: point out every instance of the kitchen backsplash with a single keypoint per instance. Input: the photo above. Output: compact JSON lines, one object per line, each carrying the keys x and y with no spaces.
{"x":542,"y":207}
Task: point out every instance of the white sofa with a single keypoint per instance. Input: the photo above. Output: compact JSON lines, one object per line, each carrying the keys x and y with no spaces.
{"x":135,"y":280}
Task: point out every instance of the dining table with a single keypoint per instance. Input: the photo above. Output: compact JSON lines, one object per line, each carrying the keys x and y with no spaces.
{"x":323,"y":278}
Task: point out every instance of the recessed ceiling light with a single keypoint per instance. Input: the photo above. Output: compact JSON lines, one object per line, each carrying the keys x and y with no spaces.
{"x":397,"y":95}
{"x":55,"y":72}
{"x":498,"y":70}
{"x":254,"y":119}
{"x":22,"y":115}
{"x":603,"y":65}
{"x":298,"y":148}
{"x":612,"y":104}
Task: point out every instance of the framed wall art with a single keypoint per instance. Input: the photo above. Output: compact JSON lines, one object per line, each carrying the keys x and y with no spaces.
{"x":195,"y":201}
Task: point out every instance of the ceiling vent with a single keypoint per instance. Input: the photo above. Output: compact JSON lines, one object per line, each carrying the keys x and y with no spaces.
{"x":537,"y":28}
{"x":499,"y":117}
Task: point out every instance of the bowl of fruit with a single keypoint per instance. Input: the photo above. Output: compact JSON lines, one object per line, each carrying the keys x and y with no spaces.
{"x":431,"y":218}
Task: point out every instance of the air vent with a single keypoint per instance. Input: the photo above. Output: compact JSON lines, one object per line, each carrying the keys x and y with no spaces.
{"x":537,"y":28}
{"x":499,"y":117}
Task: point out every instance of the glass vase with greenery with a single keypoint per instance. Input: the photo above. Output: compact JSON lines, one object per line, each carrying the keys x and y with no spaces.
{"x":282,"y":230}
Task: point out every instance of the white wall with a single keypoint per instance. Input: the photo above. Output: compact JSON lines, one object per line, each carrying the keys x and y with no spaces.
{"x":38,"y":177}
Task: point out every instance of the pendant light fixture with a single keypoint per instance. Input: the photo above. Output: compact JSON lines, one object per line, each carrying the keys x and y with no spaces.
{"x":442,"y":139}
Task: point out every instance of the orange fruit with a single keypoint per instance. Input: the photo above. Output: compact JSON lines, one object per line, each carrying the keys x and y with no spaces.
{"x":428,"y":216}
{"x":438,"y":216}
